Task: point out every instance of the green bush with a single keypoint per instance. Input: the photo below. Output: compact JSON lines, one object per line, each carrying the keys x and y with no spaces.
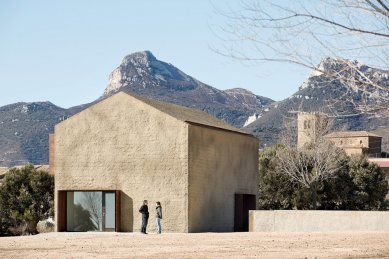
{"x":26,"y":196}
{"x":370,"y":185}
{"x":358,"y":186}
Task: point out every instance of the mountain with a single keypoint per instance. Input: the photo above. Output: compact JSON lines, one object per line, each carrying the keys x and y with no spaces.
{"x":142,"y":74}
{"x":24,"y":127}
{"x":352,"y":104}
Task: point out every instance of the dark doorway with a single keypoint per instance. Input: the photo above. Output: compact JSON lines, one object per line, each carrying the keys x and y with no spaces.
{"x":243,"y":203}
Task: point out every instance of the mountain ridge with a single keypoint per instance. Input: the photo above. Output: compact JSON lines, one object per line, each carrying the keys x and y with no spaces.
{"x":352,"y":104}
{"x":25,"y":125}
{"x":139,"y":73}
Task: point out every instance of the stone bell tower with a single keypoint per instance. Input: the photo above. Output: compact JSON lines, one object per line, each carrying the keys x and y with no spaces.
{"x":310,"y":126}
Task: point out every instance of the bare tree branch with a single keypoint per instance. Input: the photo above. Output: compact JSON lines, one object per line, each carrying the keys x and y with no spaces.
{"x":304,"y":33}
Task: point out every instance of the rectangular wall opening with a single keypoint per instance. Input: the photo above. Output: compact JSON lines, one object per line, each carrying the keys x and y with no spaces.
{"x":243,"y":203}
{"x":91,"y":211}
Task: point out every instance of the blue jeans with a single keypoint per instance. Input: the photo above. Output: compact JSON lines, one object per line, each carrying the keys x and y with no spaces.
{"x":145,"y":218}
{"x":158,"y":220}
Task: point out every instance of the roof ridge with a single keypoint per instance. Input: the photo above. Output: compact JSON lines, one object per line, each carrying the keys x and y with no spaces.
{"x":187,"y":114}
{"x":356,"y":133}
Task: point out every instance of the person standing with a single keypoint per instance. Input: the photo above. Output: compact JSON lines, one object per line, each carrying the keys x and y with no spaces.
{"x":159,"y":216}
{"x":144,"y":209}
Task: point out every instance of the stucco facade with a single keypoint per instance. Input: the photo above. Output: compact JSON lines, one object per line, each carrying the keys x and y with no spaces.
{"x":221,"y":164}
{"x":147,"y":150}
{"x":357,"y":142}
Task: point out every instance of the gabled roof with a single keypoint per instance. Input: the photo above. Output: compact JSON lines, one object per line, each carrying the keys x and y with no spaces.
{"x":188,"y":115}
{"x":345,"y":134}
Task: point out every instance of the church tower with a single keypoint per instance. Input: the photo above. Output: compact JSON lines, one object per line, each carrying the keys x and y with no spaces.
{"x":310,"y":126}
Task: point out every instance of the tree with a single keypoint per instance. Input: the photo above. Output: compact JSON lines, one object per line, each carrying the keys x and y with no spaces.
{"x":312,"y":165}
{"x":26,"y":196}
{"x":83,"y":220}
{"x":304,"y":33}
{"x":359,"y":185}
{"x":315,"y":159}
{"x":275,"y":191}
{"x":370,"y":185}
{"x":92,"y":201}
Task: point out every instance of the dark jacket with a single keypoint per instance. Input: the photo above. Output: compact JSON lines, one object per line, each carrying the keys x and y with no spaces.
{"x":144,"y":210}
{"x":159,"y":212}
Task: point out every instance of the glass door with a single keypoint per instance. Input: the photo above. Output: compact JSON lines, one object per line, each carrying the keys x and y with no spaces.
{"x":108,"y":211}
{"x":90,"y":211}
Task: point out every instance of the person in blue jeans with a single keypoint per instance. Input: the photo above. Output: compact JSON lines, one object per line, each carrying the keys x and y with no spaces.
{"x":159,"y":216}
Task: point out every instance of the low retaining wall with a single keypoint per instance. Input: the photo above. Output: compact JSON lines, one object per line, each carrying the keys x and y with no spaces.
{"x":319,"y":221}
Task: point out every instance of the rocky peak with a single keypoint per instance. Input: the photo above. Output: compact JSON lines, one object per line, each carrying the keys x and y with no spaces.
{"x":141,"y":58}
{"x":238,"y":90}
{"x":338,"y":65}
{"x":351,"y":75}
{"x":143,"y":70}
{"x":344,"y":66}
{"x":247,"y":97}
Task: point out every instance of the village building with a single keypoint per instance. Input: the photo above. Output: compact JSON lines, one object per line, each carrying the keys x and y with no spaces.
{"x":352,"y":142}
{"x":357,"y":142}
{"x":315,"y":124}
{"x":125,"y":149}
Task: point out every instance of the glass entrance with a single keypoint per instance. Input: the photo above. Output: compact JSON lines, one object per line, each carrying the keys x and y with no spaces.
{"x":90,"y":211}
{"x":109,"y":211}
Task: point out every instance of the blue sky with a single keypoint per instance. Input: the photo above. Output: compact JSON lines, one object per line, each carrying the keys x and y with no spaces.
{"x":63,"y":51}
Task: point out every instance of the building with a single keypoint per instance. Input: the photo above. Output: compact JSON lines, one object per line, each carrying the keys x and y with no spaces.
{"x":110,"y":157}
{"x":357,"y":142}
{"x":352,"y":142}
{"x":383,"y":163}
{"x":310,"y":125}
{"x":313,"y":125}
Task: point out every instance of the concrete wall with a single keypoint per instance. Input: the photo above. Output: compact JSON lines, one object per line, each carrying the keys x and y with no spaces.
{"x":123,"y":144}
{"x":221,"y":163}
{"x":320,"y":221}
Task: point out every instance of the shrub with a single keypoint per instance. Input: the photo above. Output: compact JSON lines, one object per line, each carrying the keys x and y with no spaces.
{"x":26,"y":196}
{"x":359,"y":185}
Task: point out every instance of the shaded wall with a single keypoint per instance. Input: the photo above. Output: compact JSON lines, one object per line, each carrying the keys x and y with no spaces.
{"x":123,"y":144}
{"x":221,"y":163}
{"x":317,"y":221}
{"x":375,"y":144}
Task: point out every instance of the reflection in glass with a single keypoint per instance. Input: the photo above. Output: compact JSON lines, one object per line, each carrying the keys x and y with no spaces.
{"x":84,"y":211}
{"x":109,"y":205}
{"x":91,"y":201}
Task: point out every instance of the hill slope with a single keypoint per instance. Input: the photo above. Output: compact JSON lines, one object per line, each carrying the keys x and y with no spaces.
{"x":352,"y":106}
{"x":24,"y":129}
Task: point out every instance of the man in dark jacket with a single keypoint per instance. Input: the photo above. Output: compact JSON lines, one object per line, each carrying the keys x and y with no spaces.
{"x":159,"y":216}
{"x":145,"y":216}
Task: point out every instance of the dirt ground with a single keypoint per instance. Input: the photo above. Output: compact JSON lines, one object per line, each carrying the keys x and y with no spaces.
{"x":204,"y":245}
